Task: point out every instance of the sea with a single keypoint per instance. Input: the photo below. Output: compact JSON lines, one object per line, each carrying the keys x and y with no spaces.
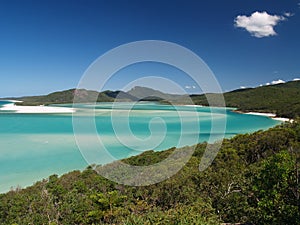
{"x":35,"y":146}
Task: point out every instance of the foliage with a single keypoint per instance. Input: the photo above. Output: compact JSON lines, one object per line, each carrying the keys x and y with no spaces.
{"x":274,"y":199}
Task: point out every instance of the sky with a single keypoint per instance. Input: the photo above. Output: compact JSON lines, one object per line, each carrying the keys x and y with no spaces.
{"x":46,"y":46}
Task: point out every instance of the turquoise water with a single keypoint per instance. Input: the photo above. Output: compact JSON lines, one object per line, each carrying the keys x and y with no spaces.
{"x":4,"y":102}
{"x":34,"y":146}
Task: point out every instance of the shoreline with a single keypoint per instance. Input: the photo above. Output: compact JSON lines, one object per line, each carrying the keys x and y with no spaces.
{"x":270,"y":115}
{"x":56,"y":109}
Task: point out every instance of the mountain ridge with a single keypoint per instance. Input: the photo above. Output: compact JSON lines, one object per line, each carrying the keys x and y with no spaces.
{"x":282,"y":99}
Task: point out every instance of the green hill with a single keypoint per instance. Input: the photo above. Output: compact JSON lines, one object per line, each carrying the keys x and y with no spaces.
{"x":82,"y":95}
{"x":281,"y":99}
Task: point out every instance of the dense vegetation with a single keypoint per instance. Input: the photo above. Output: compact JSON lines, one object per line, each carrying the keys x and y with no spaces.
{"x":254,"y":179}
{"x":281,"y":99}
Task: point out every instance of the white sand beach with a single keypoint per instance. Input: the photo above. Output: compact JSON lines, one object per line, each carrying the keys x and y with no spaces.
{"x":283,"y":119}
{"x":35,"y":109}
{"x":271,"y":115}
{"x":194,"y":105}
{"x":262,"y":114}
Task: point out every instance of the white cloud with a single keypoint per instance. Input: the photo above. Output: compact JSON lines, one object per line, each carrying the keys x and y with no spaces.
{"x":259,"y":24}
{"x":296,"y":79}
{"x":277,"y":82}
{"x":242,"y":87}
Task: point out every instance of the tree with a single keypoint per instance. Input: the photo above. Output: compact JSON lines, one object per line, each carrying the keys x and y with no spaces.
{"x":274,"y":201}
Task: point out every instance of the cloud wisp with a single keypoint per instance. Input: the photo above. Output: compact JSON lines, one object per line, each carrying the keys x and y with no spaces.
{"x":190,"y":87}
{"x":259,"y":24}
{"x":288,"y":14}
{"x":279,"y":81}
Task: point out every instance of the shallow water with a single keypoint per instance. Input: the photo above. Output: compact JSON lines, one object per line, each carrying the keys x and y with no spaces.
{"x":34,"y":146}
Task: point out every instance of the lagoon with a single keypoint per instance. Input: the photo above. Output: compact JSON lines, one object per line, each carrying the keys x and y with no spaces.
{"x":34,"y":146}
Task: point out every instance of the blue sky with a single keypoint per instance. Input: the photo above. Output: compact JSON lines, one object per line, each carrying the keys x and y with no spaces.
{"x":46,"y":46}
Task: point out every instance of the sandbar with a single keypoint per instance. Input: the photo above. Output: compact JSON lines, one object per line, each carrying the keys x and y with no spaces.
{"x":35,"y":109}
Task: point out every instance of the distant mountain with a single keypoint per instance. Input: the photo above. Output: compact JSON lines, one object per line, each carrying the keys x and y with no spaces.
{"x":82,"y":95}
{"x":145,"y":93}
{"x":119,"y":95}
{"x":282,"y":99}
